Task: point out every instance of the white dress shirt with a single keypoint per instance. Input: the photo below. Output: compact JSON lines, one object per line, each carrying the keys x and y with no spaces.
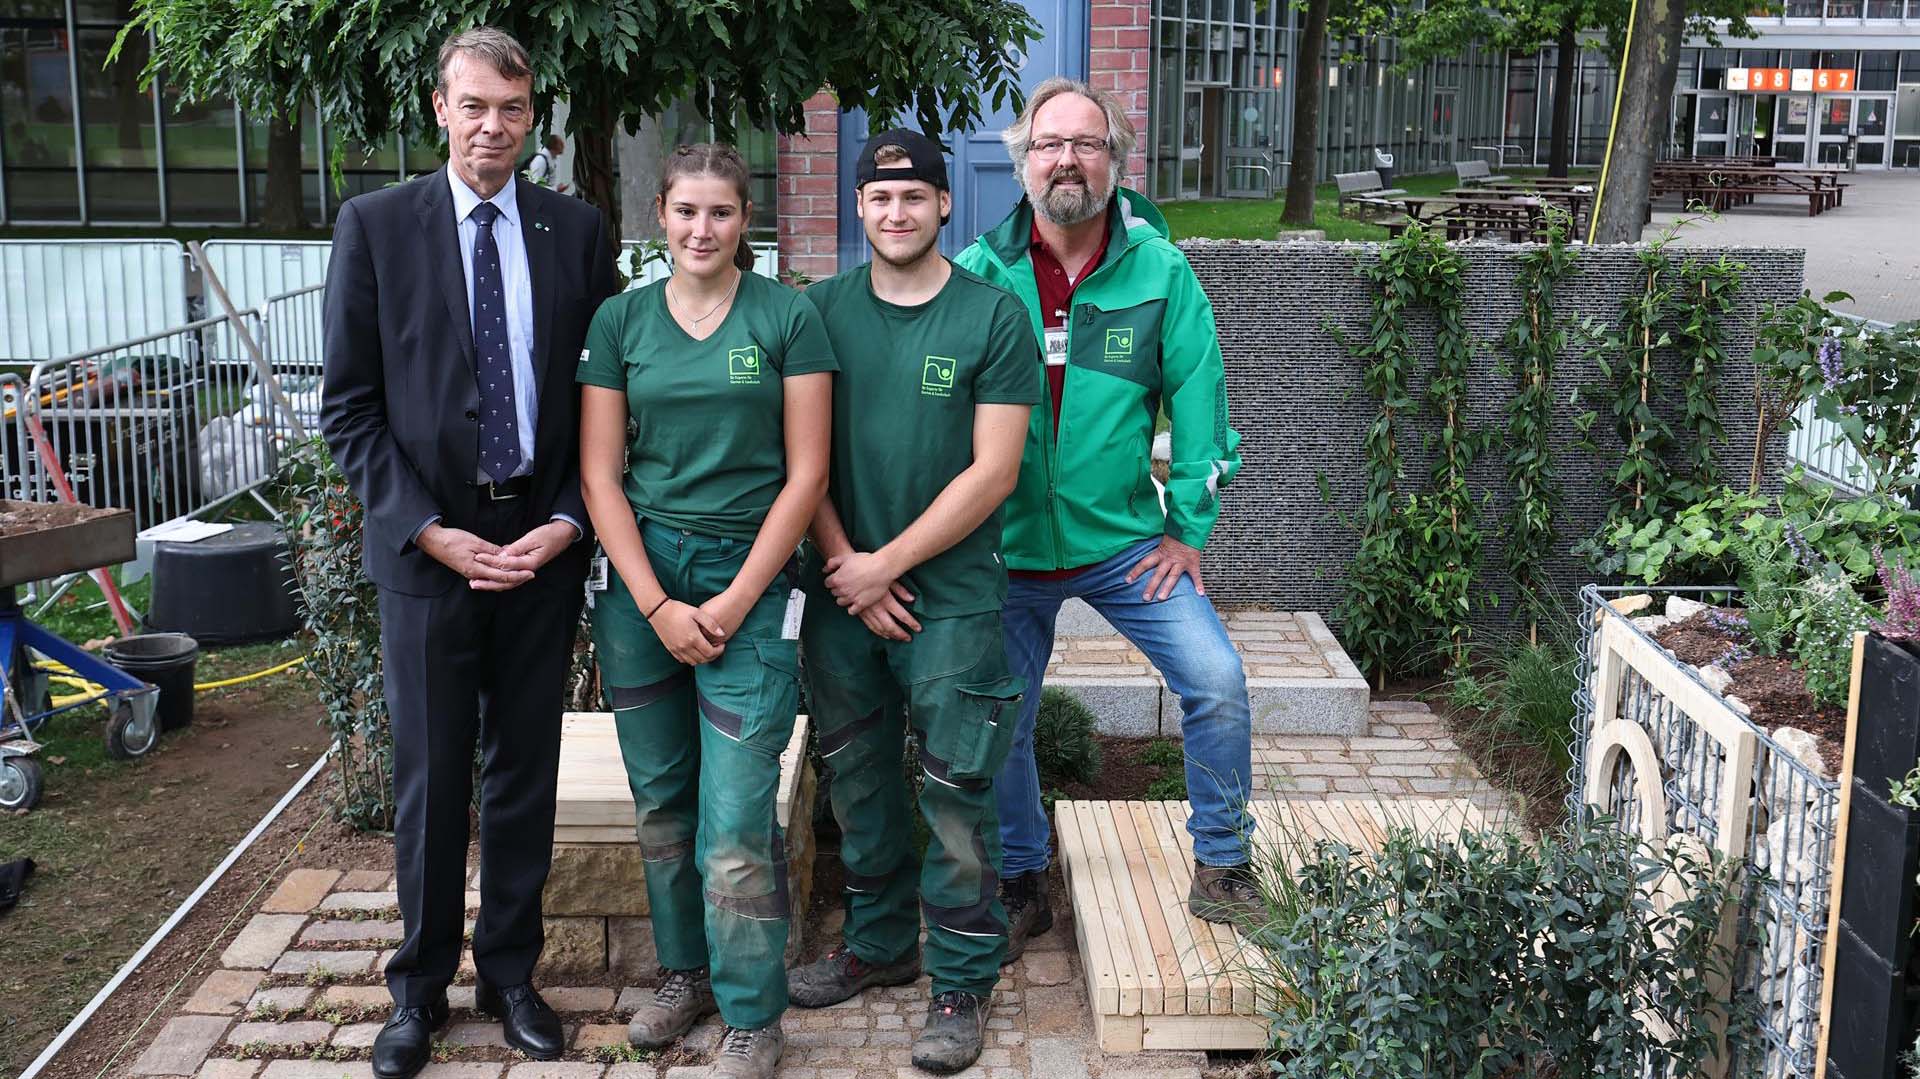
{"x":509,"y":238}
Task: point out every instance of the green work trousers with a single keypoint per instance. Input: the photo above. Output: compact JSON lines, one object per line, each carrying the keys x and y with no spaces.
{"x":702,"y":750}
{"x":951,"y":683}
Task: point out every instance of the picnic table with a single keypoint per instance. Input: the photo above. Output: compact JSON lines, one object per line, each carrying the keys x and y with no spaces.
{"x":1722,"y":187}
{"x":1574,"y":202}
{"x":1520,"y":220}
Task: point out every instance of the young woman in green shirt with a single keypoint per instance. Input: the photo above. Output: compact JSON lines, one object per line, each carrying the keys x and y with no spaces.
{"x":726,"y":377}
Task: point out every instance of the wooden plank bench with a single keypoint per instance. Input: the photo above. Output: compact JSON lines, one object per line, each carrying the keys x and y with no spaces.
{"x":1477,"y":172}
{"x":1364,"y":189}
{"x":1158,"y":978}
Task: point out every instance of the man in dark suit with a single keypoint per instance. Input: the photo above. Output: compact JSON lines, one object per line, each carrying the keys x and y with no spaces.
{"x":456,"y":305}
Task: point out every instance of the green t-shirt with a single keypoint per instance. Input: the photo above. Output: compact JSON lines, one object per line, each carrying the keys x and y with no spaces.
{"x":903,"y":419}
{"x":708,"y":452}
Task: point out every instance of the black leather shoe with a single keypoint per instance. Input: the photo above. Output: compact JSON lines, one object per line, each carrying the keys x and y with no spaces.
{"x":529,"y":1025}
{"x":405,"y":1044}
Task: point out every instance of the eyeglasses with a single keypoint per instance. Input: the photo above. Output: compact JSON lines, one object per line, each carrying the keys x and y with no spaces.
{"x":1086,"y":146}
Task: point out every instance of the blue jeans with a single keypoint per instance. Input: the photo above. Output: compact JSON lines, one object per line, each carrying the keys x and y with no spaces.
{"x":1183,"y":637}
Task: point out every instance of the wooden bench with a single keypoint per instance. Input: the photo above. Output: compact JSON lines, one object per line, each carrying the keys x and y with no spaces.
{"x":1477,"y":172}
{"x":1158,"y":978}
{"x":596,"y":898}
{"x":1364,"y":189}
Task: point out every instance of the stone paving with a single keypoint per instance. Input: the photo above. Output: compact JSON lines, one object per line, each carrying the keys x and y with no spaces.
{"x":1868,"y":246}
{"x":296,"y":994}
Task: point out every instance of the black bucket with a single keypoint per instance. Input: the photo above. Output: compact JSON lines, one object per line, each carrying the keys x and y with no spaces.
{"x":165,"y":660}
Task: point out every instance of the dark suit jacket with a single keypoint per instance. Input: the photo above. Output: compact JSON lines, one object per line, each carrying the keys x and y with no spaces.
{"x":401,"y":402}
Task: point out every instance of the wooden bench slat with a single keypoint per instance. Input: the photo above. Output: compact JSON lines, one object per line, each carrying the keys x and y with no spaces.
{"x":1108,"y":923}
{"x":1096,"y":960}
{"x":1130,"y":866}
{"x":1169,"y":987}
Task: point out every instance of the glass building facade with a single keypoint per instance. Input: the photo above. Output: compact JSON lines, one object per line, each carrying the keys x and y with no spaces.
{"x":83,"y":143}
{"x":1873,"y":125}
{"x":1222,"y":101}
{"x":1529,"y":106}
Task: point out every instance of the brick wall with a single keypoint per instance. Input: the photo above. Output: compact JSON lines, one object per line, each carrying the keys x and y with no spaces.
{"x":1295,"y":396}
{"x":807,"y":182}
{"x":1117,"y":58}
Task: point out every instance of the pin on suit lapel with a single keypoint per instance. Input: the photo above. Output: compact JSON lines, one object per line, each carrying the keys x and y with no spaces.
{"x":541,"y":257}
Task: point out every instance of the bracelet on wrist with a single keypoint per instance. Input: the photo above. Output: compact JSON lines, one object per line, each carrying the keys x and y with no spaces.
{"x":657,"y":606}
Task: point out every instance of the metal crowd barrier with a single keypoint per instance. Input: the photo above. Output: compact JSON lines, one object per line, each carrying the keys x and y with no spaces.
{"x":66,"y":296}
{"x":173,"y":423}
{"x":1791,"y":819}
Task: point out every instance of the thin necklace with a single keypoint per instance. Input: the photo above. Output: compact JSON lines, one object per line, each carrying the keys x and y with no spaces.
{"x":711,"y":310}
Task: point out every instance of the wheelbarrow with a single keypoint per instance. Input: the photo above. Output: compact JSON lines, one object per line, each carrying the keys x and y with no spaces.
{"x":39,"y":541}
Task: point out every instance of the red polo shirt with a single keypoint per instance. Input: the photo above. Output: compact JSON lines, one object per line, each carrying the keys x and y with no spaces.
{"x":1056,"y":303}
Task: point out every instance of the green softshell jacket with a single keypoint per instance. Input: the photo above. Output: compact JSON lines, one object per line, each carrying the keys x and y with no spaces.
{"x":1140,"y":333}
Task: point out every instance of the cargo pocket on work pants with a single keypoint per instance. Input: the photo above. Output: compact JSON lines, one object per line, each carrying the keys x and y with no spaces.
{"x":981,"y":730}
{"x":765,"y":692}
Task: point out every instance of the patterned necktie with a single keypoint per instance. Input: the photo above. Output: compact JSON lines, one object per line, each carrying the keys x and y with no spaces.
{"x":499,"y":436}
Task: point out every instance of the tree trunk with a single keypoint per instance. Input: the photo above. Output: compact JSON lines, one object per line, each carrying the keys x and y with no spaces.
{"x":593,"y":163}
{"x":284,"y":209}
{"x":1565,"y":72}
{"x":1311,"y":80}
{"x":1653,"y":58}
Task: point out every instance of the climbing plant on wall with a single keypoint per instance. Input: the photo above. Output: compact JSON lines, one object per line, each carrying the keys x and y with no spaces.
{"x":1412,"y":579}
{"x":1534,"y":342}
{"x":1705,"y":300}
{"x":1632,"y":388}
{"x":1372,"y":608}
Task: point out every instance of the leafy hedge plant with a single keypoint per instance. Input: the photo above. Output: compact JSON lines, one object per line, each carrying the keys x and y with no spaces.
{"x":1497,"y":956}
{"x":1692,"y":545}
{"x":341,"y":626}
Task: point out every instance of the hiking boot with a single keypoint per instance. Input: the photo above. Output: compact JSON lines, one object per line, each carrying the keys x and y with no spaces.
{"x":1225,"y":894}
{"x":1028,"y":915}
{"x":955,"y":1032}
{"x":749,"y":1054}
{"x":683,"y":999}
{"x":840,"y":974}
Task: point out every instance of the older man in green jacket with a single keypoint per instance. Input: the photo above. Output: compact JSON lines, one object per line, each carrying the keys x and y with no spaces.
{"x":1127,"y":334}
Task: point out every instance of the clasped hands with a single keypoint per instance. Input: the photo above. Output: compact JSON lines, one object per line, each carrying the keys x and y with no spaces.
{"x":868,"y":585}
{"x":489,"y":567}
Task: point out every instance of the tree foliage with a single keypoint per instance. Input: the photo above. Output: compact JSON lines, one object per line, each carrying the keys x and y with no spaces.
{"x":370,"y":63}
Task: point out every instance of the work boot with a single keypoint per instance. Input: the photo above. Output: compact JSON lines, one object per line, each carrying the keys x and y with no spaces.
{"x":840,"y":974}
{"x":955,"y":1032}
{"x":1028,"y":915}
{"x":1225,"y":894}
{"x":749,"y":1054}
{"x":683,"y":999}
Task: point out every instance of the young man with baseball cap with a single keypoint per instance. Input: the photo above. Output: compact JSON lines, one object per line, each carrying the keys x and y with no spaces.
{"x":905,"y":581}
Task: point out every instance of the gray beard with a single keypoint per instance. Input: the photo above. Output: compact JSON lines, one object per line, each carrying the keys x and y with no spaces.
{"x":1068,"y":207}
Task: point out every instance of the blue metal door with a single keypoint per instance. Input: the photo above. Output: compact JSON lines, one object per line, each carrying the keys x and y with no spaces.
{"x":984,"y":187}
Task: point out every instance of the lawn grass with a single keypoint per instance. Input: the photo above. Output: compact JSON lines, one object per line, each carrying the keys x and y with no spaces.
{"x":1259,"y":219}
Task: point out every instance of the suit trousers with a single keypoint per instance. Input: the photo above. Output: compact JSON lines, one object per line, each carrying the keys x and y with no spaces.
{"x":468,"y":669}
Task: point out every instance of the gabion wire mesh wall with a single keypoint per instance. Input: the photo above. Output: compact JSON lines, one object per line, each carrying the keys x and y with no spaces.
{"x":1792,"y":816}
{"x":1295,"y":395}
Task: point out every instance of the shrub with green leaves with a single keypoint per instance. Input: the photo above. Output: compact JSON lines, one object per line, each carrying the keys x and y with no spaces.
{"x":1497,"y":955}
{"x":1830,"y":613}
{"x":1691,"y":545}
{"x":1063,"y":745}
{"x":340,"y":619}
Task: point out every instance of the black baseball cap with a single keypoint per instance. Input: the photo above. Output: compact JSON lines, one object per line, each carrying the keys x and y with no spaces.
{"x":924,"y":160}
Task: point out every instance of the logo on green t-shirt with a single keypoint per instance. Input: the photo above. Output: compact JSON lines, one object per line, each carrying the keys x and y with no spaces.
{"x":1120,"y":345}
{"x":743,"y":366}
{"x":936,"y":378}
